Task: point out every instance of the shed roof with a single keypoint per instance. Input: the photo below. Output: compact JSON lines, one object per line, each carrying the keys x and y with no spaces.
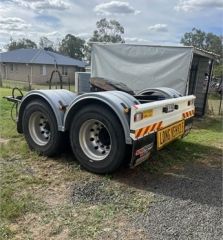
{"x":205,"y":53}
{"x":38,"y":56}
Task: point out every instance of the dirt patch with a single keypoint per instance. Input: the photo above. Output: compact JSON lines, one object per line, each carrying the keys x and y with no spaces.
{"x":4,"y":141}
{"x":123,"y":229}
{"x":56,"y":195}
{"x":31,"y":226}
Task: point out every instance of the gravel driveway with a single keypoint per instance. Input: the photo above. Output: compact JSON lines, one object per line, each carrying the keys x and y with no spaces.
{"x":183,"y":203}
{"x":188,"y":204}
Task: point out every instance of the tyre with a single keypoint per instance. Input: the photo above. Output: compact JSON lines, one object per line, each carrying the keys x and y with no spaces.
{"x":40,"y":128}
{"x":97,"y":139}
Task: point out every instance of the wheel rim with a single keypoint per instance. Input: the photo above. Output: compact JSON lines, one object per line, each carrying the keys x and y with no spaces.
{"x":39,"y":128}
{"x":95,"y":140}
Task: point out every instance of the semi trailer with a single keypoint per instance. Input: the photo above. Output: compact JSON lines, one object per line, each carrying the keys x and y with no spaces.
{"x":105,"y":128}
{"x":111,"y":124}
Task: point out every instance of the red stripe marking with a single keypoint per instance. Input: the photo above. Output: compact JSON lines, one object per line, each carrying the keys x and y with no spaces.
{"x":143,"y":132}
{"x":136,"y":132}
{"x":159,"y":125}
{"x":139,"y":132}
{"x":153,"y":127}
{"x":147,"y":130}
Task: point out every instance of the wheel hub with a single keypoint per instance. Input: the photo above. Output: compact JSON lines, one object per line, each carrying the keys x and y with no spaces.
{"x":95,"y":140}
{"x":39,"y":128}
{"x":104,"y":137}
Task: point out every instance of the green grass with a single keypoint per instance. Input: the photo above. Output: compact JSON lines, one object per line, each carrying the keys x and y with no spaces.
{"x":204,"y":140}
{"x":15,"y":200}
{"x":5,"y":232}
{"x":7,"y":128}
{"x":214,"y":104}
{"x":214,"y":96}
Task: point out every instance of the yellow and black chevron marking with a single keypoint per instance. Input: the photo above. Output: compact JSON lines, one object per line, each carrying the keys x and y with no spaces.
{"x":188,"y":114}
{"x":146,"y":130}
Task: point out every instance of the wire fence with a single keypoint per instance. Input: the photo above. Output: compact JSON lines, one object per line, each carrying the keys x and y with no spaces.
{"x":214,"y":103}
{"x":26,"y":86}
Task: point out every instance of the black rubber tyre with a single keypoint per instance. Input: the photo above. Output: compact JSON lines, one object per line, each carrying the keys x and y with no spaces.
{"x":97,"y":139}
{"x":40,"y":128}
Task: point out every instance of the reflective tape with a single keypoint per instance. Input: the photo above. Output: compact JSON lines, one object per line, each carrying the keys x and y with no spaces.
{"x":146,"y":130}
{"x":188,"y":114}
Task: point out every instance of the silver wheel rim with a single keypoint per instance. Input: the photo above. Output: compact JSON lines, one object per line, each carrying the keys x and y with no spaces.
{"x":39,"y":128}
{"x":95,"y":140}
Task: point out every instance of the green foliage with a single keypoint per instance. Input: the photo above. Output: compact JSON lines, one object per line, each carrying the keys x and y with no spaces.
{"x":203,"y":40}
{"x":218,"y":70}
{"x":21,"y":43}
{"x":45,"y":43}
{"x":108,"y":31}
{"x":72,"y":46}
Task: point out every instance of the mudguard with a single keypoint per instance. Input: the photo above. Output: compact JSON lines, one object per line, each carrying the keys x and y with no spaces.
{"x":119,"y":102}
{"x":56,"y":99}
{"x":65,"y":103}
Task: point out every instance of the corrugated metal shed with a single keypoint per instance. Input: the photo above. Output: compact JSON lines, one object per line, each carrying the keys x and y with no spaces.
{"x":38,"y":56}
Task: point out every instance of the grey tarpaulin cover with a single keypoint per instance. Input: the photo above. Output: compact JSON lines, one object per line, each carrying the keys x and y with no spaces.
{"x":142,"y":66}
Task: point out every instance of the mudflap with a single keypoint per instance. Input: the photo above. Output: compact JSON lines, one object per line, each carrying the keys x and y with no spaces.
{"x":188,"y":126}
{"x":141,"y":150}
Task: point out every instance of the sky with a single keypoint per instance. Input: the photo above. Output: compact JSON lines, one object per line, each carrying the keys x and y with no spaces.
{"x":155,"y":22}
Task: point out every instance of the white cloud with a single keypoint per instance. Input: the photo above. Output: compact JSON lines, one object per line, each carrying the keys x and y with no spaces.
{"x":83,"y":35}
{"x":13,"y":24}
{"x":51,"y":34}
{"x":158,"y":28}
{"x":115,"y":7}
{"x":78,"y":17}
{"x":135,"y":40}
{"x":190,"y":5}
{"x":42,"y":5}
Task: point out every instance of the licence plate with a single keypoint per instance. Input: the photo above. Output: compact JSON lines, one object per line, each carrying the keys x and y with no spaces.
{"x":170,"y":133}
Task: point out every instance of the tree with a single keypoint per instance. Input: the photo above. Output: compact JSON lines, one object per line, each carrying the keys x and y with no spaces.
{"x":87,"y":52}
{"x":206,"y":41}
{"x":46,"y":44}
{"x":21,"y":43}
{"x":72,"y":46}
{"x":218,"y":70}
{"x":214,"y":43}
{"x":108,"y":31}
{"x":202,"y":40}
